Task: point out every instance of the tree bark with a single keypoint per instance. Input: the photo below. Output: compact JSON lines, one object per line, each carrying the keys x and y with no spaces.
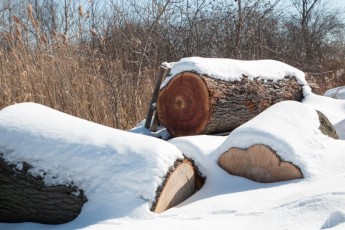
{"x":192,"y":104}
{"x":24,"y":198}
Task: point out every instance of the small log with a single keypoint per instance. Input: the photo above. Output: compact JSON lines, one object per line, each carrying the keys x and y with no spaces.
{"x":192,"y":104}
{"x":182,"y":181}
{"x":258,"y":163}
{"x":24,"y":198}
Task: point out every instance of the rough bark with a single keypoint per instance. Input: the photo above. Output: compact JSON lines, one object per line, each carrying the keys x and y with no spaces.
{"x":181,"y":181}
{"x":258,"y":163}
{"x":24,"y":198}
{"x":191,"y":104}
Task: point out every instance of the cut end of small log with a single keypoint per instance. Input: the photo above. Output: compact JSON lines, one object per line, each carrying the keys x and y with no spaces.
{"x":183,"y":106}
{"x":24,"y":198}
{"x":326,"y":126}
{"x":258,"y":163}
{"x":181,"y":182}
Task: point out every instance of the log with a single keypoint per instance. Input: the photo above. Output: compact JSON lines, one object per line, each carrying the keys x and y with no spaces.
{"x":24,"y":198}
{"x":181,"y":181}
{"x":262,"y":164}
{"x":192,"y":104}
{"x":258,"y":163}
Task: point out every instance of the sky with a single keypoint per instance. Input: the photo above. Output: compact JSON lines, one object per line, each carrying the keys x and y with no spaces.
{"x":340,"y":3}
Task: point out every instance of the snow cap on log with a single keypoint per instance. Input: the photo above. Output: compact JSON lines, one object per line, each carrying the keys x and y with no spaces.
{"x":290,"y":129}
{"x":234,"y":70}
{"x":118,"y":171}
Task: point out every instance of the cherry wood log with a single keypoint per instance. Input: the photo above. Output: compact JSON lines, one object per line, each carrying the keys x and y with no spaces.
{"x":182,"y":181}
{"x":258,"y":163}
{"x":24,"y":198}
{"x":191,"y":104}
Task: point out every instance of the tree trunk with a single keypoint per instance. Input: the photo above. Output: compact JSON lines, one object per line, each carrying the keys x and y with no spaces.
{"x":191,"y":104}
{"x":24,"y":198}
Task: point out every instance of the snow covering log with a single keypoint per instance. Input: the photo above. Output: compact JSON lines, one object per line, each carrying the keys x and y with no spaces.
{"x":46,"y":152}
{"x":193,"y":104}
{"x":258,"y":163}
{"x":182,"y":181}
{"x":24,"y":198}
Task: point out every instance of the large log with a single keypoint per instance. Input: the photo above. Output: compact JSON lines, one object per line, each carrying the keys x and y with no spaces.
{"x":26,"y":198}
{"x":192,"y":104}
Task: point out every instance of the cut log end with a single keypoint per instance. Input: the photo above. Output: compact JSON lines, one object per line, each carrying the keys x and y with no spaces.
{"x":258,"y":163}
{"x":326,"y":126}
{"x":183,"y":106}
{"x":182,"y":181}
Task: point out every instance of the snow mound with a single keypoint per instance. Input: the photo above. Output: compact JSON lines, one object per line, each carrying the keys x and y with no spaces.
{"x":119,"y":171}
{"x":335,"y":219}
{"x":338,"y":93}
{"x":234,"y":70}
{"x":293,"y":137}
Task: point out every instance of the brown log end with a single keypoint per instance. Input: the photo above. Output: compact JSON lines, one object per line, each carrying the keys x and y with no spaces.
{"x":24,"y":198}
{"x":258,"y":163}
{"x":183,"y":106}
{"x":326,"y":126}
{"x":182,"y":181}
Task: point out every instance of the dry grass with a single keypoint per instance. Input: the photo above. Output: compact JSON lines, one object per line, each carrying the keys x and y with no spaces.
{"x":74,"y":80}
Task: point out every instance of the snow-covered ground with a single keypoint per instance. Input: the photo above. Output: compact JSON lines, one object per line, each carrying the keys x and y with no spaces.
{"x":120,"y":171}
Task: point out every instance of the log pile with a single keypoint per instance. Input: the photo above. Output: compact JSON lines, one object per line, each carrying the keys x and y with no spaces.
{"x":192,"y":104}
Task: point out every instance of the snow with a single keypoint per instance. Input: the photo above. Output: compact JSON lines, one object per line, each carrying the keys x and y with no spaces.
{"x":338,"y":92}
{"x":336,"y":218}
{"x":234,"y":70}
